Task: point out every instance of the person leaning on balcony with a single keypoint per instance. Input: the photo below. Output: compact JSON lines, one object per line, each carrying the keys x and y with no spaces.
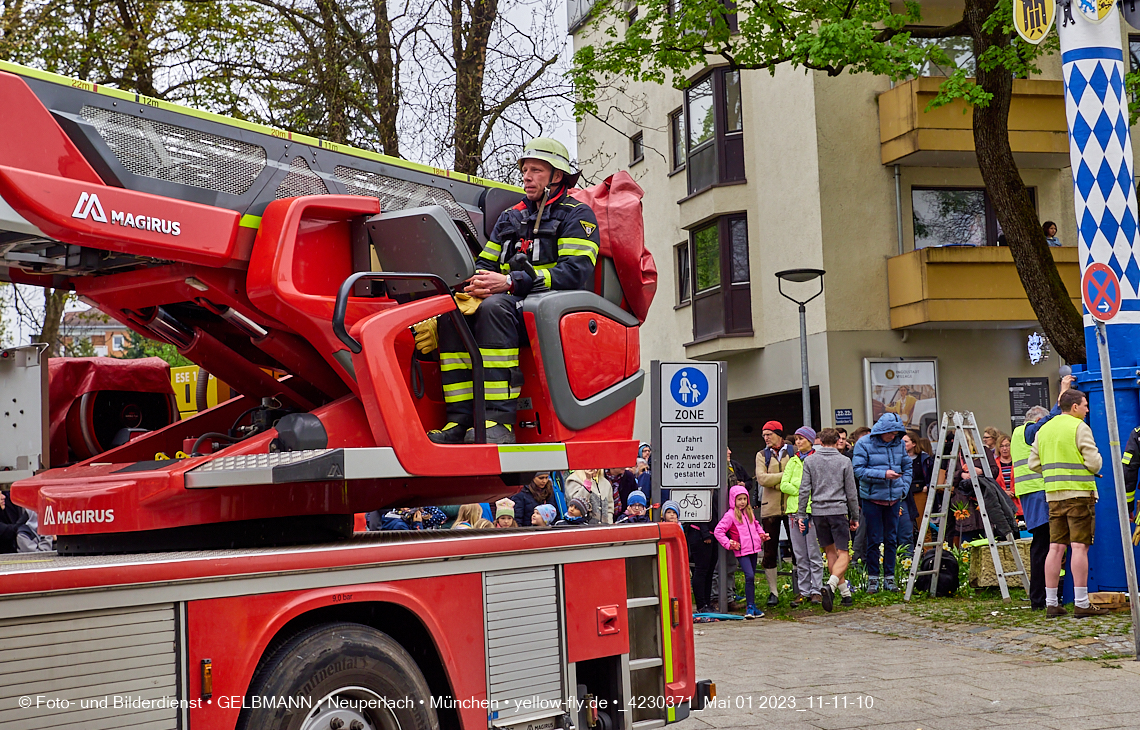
{"x":1050,"y":229}
{"x":1065,"y":454}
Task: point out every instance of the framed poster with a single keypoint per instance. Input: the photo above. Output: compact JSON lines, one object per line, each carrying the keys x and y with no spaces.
{"x":906,"y":386}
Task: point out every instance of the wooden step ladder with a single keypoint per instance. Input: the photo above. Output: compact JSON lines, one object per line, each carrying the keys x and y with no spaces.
{"x":966,"y":439}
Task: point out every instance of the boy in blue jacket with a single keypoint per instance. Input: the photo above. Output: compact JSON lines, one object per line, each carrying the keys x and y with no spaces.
{"x":883,"y":470}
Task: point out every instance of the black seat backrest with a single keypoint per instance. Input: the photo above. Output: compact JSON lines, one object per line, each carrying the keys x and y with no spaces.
{"x":606,"y":281}
{"x":420,"y":240}
{"x":493,"y":202}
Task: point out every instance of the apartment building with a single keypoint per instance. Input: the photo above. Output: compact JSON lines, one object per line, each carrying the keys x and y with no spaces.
{"x":746,"y":174}
{"x":108,"y":338}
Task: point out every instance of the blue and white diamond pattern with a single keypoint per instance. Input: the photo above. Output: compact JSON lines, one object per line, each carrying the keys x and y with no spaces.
{"x":1100,"y":150}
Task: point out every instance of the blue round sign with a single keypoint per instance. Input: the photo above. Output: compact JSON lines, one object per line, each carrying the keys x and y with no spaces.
{"x":689,"y":387}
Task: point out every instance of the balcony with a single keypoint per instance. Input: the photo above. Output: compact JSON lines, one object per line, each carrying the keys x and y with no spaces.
{"x":966,"y":286}
{"x":944,"y":137}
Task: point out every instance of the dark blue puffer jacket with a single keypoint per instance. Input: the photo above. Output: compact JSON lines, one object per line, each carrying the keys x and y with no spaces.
{"x":873,"y":458}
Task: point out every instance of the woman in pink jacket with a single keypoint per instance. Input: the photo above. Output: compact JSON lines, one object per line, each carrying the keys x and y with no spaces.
{"x":740,"y":532}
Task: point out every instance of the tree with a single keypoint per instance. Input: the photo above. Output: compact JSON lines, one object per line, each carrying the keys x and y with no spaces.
{"x":669,"y":37}
{"x":457,"y":83}
{"x":139,"y":346}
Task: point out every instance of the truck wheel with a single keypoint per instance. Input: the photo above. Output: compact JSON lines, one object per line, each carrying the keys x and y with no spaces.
{"x":341,"y":676}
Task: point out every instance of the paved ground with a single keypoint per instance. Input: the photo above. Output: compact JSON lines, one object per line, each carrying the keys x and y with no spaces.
{"x":945,"y":678}
{"x":1036,"y":637}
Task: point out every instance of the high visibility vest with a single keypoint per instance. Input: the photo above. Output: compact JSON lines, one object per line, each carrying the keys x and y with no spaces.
{"x":1025,"y":480}
{"x":1063,"y":467}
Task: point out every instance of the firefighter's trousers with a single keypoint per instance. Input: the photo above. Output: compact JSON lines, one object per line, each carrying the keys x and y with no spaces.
{"x":498,"y":328}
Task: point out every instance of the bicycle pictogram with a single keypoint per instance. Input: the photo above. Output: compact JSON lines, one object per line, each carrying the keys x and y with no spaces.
{"x":692,"y":500}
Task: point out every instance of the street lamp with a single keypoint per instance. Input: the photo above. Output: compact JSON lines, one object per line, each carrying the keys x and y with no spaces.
{"x":800,"y":276}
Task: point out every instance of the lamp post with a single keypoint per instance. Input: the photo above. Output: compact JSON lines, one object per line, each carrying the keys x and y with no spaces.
{"x":800,"y":276}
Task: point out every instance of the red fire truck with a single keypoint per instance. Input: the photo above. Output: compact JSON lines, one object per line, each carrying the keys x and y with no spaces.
{"x":226,"y":589}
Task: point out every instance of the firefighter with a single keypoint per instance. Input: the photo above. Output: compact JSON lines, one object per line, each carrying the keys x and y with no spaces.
{"x":548,"y":241}
{"x":1131,"y":461}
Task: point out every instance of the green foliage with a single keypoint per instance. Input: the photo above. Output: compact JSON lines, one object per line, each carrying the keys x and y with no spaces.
{"x":78,"y":347}
{"x":177,"y":50}
{"x":853,"y":36}
{"x":139,"y":346}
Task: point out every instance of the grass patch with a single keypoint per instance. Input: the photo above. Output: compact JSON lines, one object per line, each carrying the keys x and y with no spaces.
{"x":968,"y":606}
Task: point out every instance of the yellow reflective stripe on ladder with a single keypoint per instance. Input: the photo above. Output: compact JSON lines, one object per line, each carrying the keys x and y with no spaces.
{"x":666,"y":627}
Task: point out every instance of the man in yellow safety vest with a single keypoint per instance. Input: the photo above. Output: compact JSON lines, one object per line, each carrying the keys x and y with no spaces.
{"x":1065,"y":454}
{"x":1029,"y":487}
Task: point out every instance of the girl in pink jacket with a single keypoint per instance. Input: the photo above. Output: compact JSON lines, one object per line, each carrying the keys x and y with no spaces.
{"x":740,"y":532}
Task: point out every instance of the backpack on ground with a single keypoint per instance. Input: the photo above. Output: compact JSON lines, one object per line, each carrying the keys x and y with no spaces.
{"x":947,"y":573}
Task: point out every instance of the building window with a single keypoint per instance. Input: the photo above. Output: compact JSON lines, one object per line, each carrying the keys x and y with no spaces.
{"x":637,"y":148}
{"x":706,"y":259}
{"x":677,"y":138}
{"x":722,"y":296}
{"x":714,"y":151}
{"x":959,"y":49}
{"x":684,"y":282}
{"x":955,"y":217}
{"x":1134,"y":54}
{"x":730,"y":17}
{"x":631,"y":17}
{"x":116,"y":342}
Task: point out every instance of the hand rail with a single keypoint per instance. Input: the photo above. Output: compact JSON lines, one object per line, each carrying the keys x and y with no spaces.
{"x":460,"y":323}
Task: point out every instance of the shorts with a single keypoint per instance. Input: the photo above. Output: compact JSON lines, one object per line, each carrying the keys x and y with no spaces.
{"x":1072,"y":520}
{"x":833,"y":530}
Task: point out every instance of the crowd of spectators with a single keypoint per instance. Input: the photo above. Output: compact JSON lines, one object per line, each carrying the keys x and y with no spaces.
{"x":580,"y":497}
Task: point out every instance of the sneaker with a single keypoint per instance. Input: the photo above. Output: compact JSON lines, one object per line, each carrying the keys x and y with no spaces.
{"x":889,"y":584}
{"x":750,"y":613}
{"x":872,"y":584}
{"x":1055,"y":611}
{"x":847,"y":601}
{"x":827,"y":594}
{"x":773,"y":599}
{"x":1079,"y":612}
{"x":816,"y":599}
{"x":497,"y":433}
{"x":452,"y":433}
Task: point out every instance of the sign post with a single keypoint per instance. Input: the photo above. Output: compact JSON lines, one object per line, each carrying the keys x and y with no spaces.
{"x":689,"y":407}
{"x":1100,"y":289}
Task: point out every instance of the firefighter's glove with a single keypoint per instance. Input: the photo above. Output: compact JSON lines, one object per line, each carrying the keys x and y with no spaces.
{"x":1136,"y":536}
{"x":467,"y":304}
{"x":426,"y":335}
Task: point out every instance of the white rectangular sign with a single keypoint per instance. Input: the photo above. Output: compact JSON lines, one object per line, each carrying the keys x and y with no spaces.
{"x":689,"y":456}
{"x":690,"y":392}
{"x":696,"y":504}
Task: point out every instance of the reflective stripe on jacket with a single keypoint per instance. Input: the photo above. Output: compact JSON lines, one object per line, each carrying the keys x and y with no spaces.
{"x":1025,"y":480}
{"x":1062,"y":466}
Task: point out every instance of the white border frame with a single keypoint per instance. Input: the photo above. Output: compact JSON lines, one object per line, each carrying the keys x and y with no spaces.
{"x":867,"y":412}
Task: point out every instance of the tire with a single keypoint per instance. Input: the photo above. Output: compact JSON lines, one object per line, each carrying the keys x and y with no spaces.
{"x":375,"y":682}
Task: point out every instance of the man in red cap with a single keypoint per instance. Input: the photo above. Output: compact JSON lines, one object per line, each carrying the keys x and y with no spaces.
{"x":770,"y":464}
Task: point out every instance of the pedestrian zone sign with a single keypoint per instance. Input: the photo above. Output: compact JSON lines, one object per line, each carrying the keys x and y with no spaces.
{"x":685,"y":393}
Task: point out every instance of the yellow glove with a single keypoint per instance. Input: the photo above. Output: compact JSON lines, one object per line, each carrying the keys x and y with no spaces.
{"x":1136,"y":536}
{"x":467,"y":303}
{"x":426,"y":335}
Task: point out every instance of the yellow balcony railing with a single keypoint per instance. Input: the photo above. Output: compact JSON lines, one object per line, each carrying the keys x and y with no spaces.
{"x":944,"y":137}
{"x":934,"y":287}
